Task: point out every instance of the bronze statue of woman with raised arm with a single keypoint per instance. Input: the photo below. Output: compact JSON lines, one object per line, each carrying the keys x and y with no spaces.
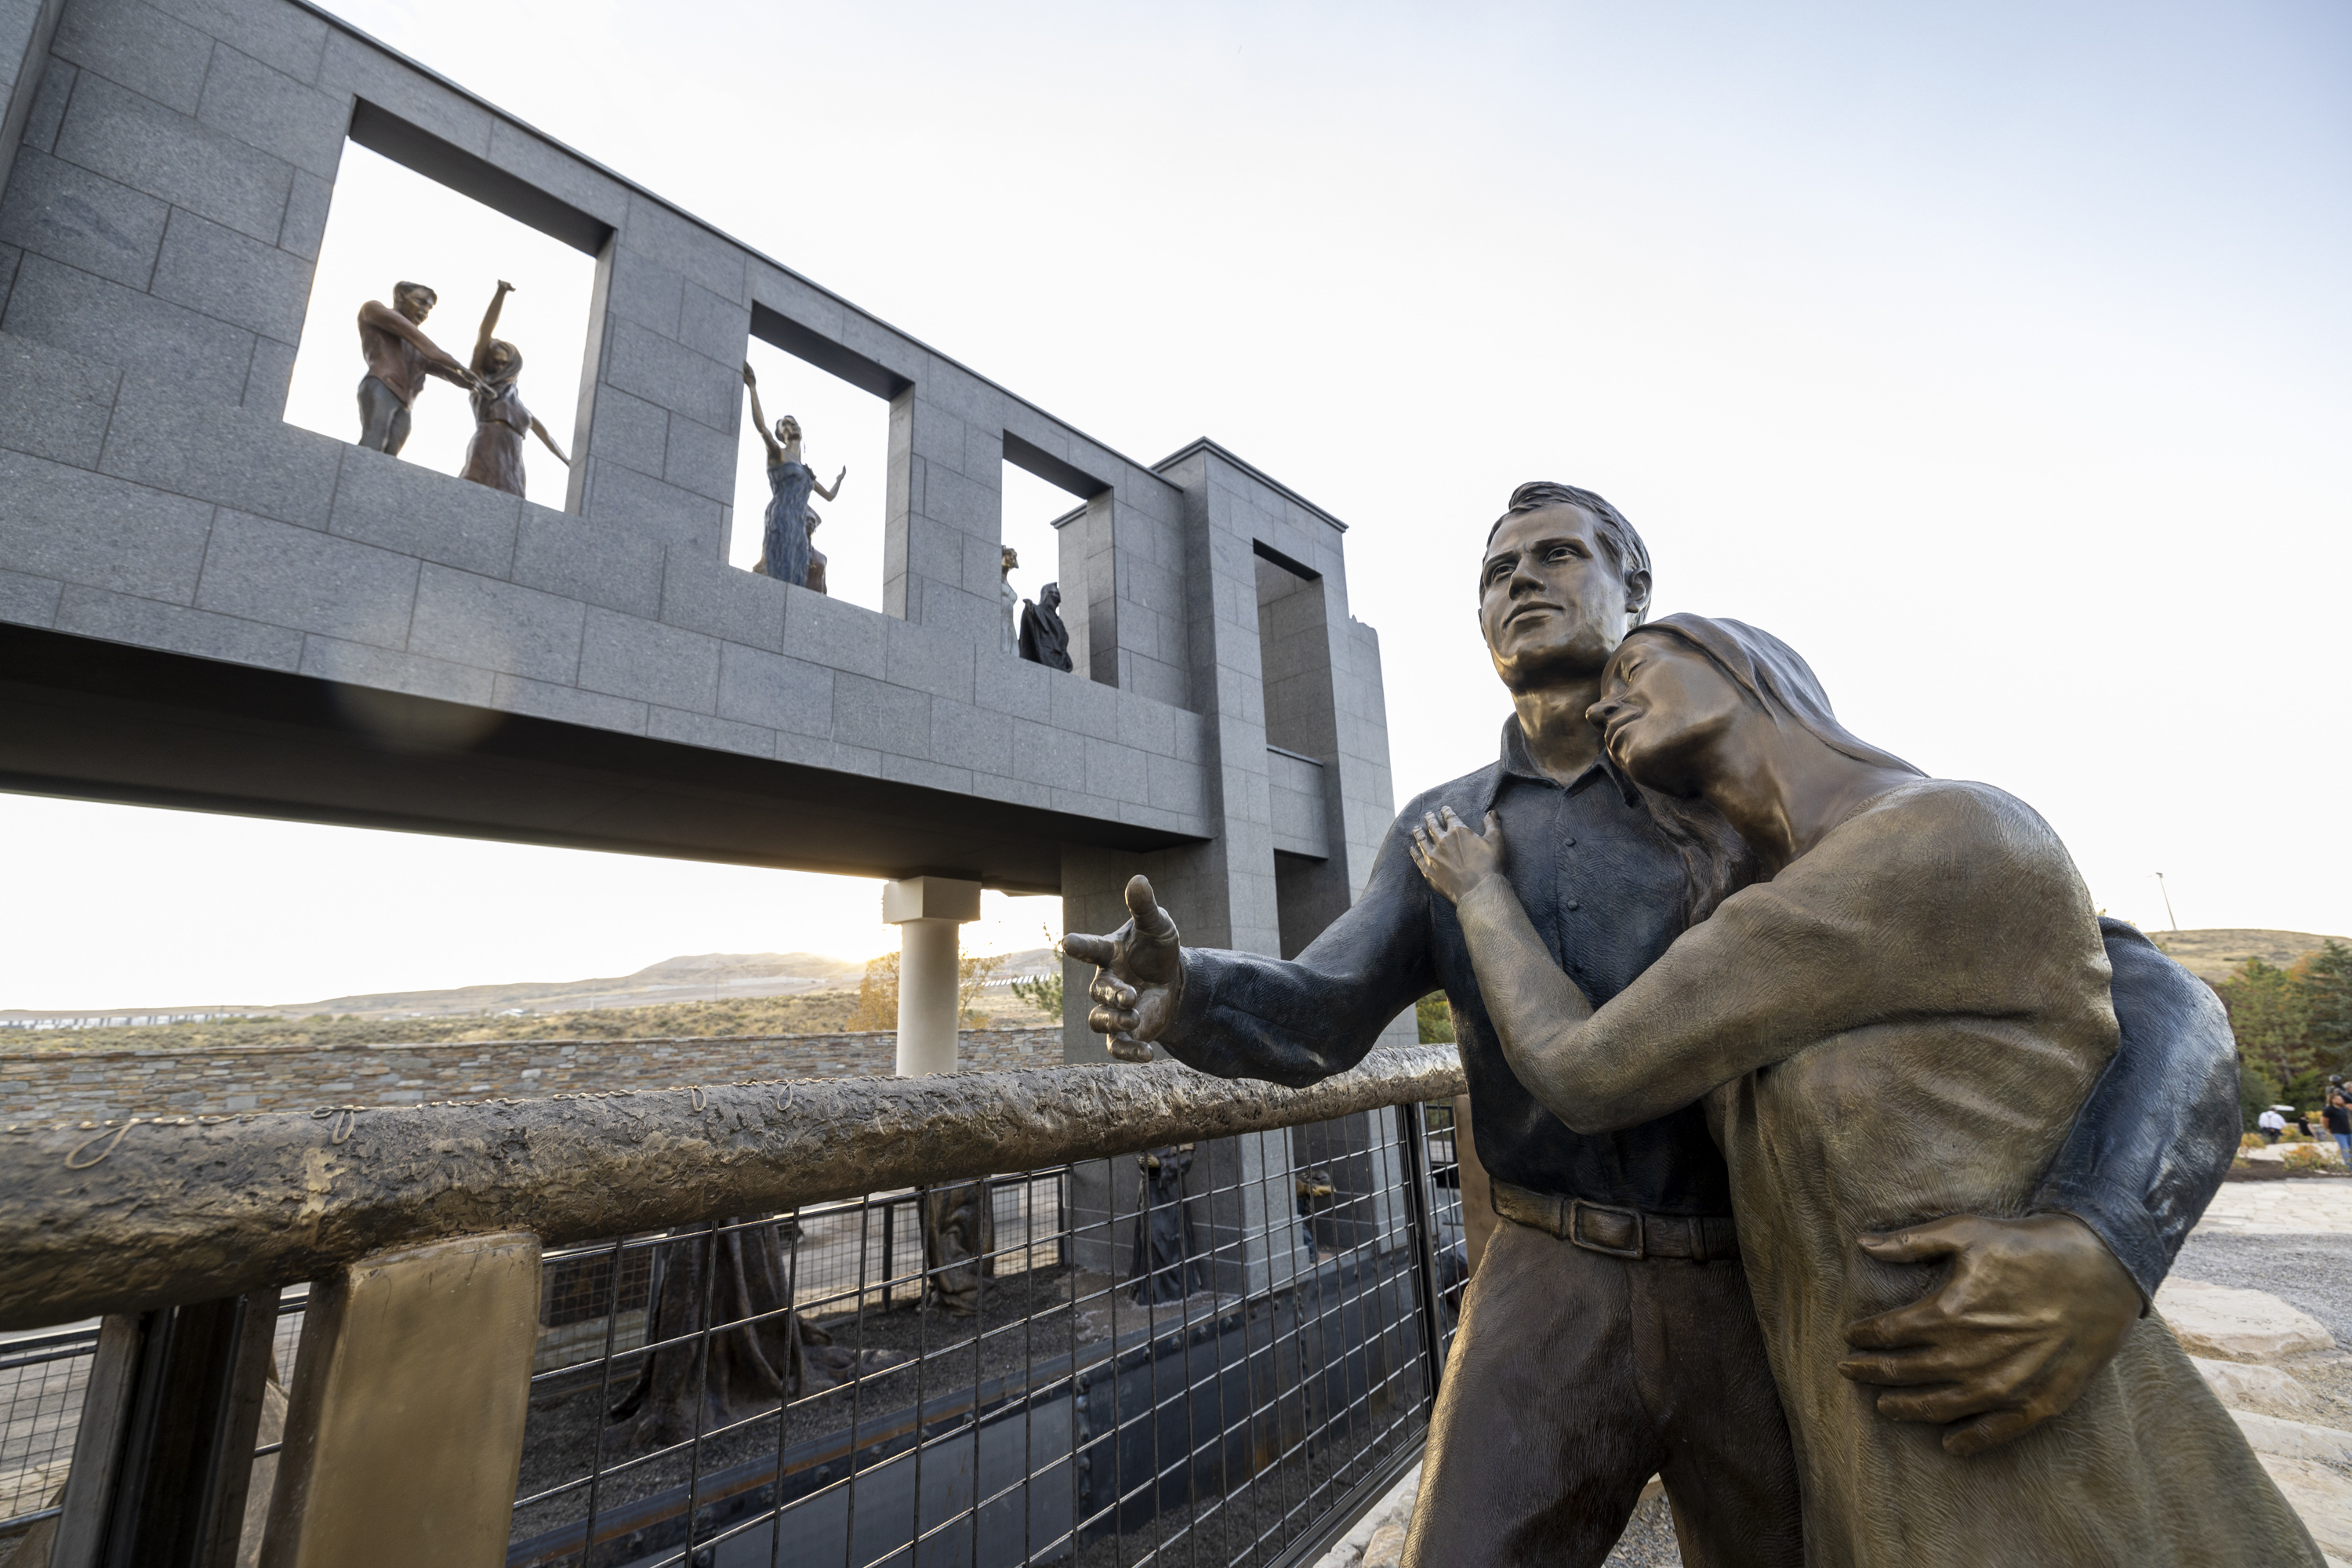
{"x":494,"y":457}
{"x":784,"y":546}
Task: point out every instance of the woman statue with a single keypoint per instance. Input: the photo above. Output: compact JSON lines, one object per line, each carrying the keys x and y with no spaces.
{"x":786,"y":552}
{"x":494,"y":457}
{"x":1009,"y":562}
{"x":1899,"y":1022}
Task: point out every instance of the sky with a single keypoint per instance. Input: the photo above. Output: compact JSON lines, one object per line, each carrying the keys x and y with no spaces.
{"x":1994,"y":356}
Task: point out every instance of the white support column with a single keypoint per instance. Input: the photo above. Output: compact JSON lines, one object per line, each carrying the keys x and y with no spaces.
{"x":927,"y":910}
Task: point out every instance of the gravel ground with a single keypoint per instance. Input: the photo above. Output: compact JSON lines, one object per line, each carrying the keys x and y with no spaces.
{"x":1648,"y":1538}
{"x":2310,"y":1273}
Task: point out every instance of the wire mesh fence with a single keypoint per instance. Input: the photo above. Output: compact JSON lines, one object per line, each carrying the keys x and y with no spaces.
{"x":43,"y":1379}
{"x":1190,"y":1355}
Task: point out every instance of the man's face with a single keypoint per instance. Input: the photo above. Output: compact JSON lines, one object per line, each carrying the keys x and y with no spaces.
{"x":1550,"y":601}
{"x":413,"y":303}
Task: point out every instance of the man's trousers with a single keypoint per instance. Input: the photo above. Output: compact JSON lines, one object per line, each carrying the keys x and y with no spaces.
{"x":1577,"y":1375}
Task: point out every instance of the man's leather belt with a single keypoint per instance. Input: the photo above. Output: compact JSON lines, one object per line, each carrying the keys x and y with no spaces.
{"x":1620,"y":1233}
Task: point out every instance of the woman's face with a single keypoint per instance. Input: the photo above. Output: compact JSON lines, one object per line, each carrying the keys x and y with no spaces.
{"x":788,"y":430}
{"x":499,"y":361}
{"x":1663,"y":707}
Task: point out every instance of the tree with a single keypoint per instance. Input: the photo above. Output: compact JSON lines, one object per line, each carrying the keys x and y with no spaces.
{"x":878,"y":996}
{"x":2257,"y":1092}
{"x":2269,"y":1012}
{"x":972,"y":975}
{"x":1436,"y":1016}
{"x":878,"y":992}
{"x":2327,"y":994}
{"x":1042,"y":991}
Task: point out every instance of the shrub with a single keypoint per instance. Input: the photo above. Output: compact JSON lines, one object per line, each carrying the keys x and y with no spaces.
{"x":2306,"y":1160}
{"x":1044,"y":992}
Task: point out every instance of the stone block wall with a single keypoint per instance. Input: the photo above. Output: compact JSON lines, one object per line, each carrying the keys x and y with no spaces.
{"x":83,"y":1086}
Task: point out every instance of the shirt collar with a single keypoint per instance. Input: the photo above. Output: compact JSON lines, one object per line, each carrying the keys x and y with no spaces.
{"x":1516,"y":762}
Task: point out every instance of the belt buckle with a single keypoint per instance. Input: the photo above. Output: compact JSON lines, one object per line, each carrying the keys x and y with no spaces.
{"x":1576,"y":1229}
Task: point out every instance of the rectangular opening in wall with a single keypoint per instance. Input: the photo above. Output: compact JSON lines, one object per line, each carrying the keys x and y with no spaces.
{"x":388,"y":225}
{"x":1295,"y":657}
{"x":843,"y":426}
{"x":1031,"y":508}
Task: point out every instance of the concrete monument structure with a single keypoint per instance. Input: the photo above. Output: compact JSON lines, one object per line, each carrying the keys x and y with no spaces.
{"x":203,"y":605}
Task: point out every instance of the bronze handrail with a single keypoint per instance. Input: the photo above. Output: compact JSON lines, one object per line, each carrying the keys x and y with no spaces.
{"x":137,"y":1213}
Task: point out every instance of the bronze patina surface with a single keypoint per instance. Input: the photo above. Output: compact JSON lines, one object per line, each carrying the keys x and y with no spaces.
{"x":1900,"y":1024}
{"x":2017,"y":1310}
{"x":410,"y":1394}
{"x":142,"y":1213}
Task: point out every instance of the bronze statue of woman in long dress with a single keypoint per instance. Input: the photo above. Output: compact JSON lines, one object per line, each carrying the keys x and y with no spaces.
{"x":494,"y":457}
{"x":784,"y":546}
{"x":1900,"y":1024}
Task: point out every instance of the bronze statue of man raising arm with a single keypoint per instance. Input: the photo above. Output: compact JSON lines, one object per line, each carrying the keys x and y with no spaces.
{"x":1608,"y":1332}
{"x":399,"y":357}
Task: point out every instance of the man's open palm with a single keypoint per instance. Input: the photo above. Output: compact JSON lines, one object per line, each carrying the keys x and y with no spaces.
{"x":1139,"y":975}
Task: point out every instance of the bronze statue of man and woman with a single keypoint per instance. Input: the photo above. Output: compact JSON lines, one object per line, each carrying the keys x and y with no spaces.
{"x":400,"y":357}
{"x":1836,"y":1145}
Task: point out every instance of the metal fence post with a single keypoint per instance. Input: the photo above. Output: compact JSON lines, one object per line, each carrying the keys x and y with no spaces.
{"x":1421,"y":1222}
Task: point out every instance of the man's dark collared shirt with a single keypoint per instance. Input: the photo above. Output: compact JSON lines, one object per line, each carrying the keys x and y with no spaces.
{"x":1603,"y":887}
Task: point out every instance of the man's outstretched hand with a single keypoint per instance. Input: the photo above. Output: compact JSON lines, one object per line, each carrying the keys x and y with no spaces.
{"x":2030,"y":1312}
{"x":1139,"y":975}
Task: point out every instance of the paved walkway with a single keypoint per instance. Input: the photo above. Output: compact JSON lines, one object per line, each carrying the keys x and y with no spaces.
{"x":2313,"y":1205}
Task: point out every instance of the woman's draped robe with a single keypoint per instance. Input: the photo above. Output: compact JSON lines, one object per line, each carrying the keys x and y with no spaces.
{"x":1902,"y":1026}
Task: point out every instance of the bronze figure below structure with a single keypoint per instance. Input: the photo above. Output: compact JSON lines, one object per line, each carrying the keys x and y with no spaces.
{"x":1900,"y":1025}
{"x":494,"y":457}
{"x":1608,"y":1332}
{"x":399,"y":357}
{"x":1043,"y":638}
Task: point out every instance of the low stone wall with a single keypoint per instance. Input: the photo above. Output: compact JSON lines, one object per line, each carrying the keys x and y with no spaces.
{"x":77,"y":1086}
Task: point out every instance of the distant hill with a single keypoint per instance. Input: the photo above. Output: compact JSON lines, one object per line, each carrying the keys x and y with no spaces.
{"x":713,"y":995}
{"x":705,"y":979}
{"x":709,"y":976}
{"x":2214,"y":955}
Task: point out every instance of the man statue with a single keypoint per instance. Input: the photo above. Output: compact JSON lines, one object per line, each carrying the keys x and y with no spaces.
{"x":1607,"y":1333}
{"x":1043,"y":638}
{"x":399,"y":358}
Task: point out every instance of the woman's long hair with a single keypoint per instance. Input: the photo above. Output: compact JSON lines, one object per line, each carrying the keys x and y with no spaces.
{"x":1716,"y":862}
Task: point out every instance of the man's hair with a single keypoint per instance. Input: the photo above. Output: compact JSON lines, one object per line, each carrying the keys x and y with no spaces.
{"x":406,"y":288}
{"x":1623,"y":542}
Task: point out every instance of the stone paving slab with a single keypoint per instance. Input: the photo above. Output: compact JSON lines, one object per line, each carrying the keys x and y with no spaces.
{"x":2322,"y":1496}
{"x":2226,"y":1323}
{"x":2294,"y":1439}
{"x":2265,"y":1389}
